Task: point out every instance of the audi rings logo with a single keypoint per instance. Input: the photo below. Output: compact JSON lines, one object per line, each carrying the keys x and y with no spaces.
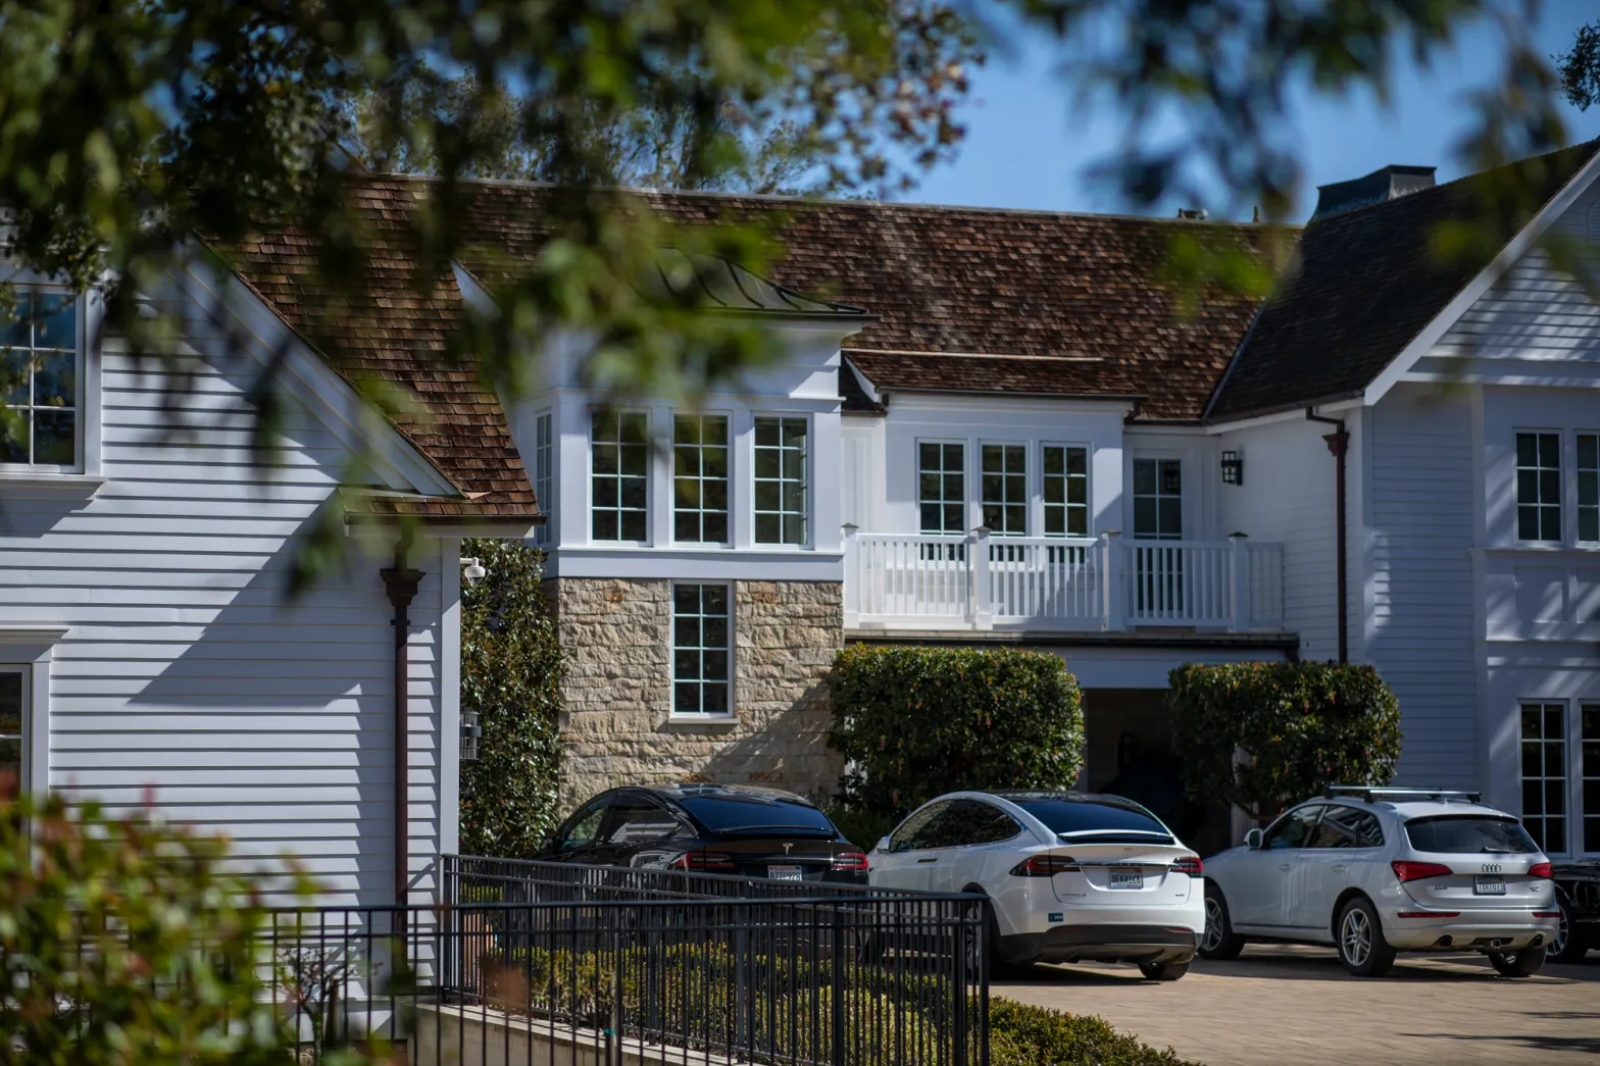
{"x":1491,"y":868}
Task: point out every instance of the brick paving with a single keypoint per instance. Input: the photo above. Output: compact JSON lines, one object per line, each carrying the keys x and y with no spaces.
{"x":1293,"y":1006}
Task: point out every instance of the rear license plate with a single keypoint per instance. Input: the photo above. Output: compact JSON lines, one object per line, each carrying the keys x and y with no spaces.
{"x":1488,"y":886}
{"x":1127,"y":878}
{"x":783,"y":873}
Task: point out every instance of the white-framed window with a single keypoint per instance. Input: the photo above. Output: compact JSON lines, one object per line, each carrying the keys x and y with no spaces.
{"x":544,"y":458}
{"x":1539,"y":486}
{"x":1065,"y":487}
{"x":1003,"y":488}
{"x":1544,"y":774}
{"x":1158,"y":499}
{"x":1588,"y":464}
{"x":702,"y":650}
{"x":619,"y":458}
{"x":782,"y":479}
{"x":1589,"y":776}
{"x":942,"y":486}
{"x":13,"y":713}
{"x":41,"y":379}
{"x":700,"y":479}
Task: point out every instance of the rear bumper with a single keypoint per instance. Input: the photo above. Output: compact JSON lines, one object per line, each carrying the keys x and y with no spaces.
{"x":1102,"y":943}
{"x":1469,"y":930}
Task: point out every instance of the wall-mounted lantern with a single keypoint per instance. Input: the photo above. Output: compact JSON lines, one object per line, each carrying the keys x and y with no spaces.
{"x":471,"y":734}
{"x":1232,"y":468}
{"x":472,"y":570}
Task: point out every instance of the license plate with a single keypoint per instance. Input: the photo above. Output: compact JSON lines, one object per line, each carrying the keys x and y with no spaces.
{"x":783,"y":873}
{"x":1488,"y":886}
{"x":1127,"y":878}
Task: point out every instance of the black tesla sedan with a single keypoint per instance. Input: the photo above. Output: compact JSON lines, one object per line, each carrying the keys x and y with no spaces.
{"x":728,"y":829}
{"x":1578,"y":892}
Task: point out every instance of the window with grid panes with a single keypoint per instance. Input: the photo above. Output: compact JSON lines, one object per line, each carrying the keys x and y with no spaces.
{"x":544,"y":477}
{"x":1544,"y":774}
{"x":702,"y":650}
{"x":1589,"y":768}
{"x":39,"y":371}
{"x":942,"y":487}
{"x":1589,"y":487}
{"x":1003,"y":486}
{"x":700,"y":479}
{"x":780,"y":479}
{"x":1066,"y":491}
{"x":1539,"y":486}
{"x":620,"y":465}
{"x":11,"y":696}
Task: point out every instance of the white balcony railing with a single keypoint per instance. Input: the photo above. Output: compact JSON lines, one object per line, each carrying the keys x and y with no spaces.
{"x":980,"y":581}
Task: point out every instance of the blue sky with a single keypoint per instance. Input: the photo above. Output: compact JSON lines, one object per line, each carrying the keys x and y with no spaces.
{"x":1023,"y":150}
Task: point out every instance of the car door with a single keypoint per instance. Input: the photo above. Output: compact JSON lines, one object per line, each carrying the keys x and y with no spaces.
{"x":632,"y":835}
{"x":963,"y":841}
{"x":1259,"y":896}
{"x":1343,"y":837}
{"x":579,"y":836}
{"x":907,"y":862}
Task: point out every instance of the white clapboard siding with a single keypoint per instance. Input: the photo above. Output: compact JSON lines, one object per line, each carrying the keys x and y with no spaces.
{"x":186,"y":678}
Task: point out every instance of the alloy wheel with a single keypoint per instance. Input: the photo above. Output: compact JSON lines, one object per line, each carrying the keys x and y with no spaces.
{"x":1355,"y":937}
{"x":1558,"y":943}
{"x":1213,"y":935}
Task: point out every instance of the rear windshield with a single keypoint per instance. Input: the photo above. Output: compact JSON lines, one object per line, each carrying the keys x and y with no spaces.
{"x":727,"y":814}
{"x":1100,"y":820}
{"x":1469,"y":835}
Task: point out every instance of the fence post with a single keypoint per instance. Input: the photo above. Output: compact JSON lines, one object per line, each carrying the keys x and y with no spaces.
{"x":1116,"y":599}
{"x":1239,"y":561}
{"x":982,"y":578}
{"x":837,"y":1056}
{"x":852,"y":576}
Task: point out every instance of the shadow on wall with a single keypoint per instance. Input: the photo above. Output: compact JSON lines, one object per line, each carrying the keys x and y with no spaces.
{"x":785,"y":749}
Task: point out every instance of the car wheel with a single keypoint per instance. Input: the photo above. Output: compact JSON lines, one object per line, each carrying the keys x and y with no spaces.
{"x":1362,"y":949}
{"x":1163,"y":971}
{"x":1219,"y":942}
{"x":998,"y":966}
{"x":1524,"y":963}
{"x":1568,"y":945}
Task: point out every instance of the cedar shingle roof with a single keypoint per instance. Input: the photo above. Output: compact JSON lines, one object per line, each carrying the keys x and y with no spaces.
{"x":1366,"y":284}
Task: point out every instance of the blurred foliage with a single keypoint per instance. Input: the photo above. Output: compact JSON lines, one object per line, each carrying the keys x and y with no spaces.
{"x":1262,"y":736}
{"x":511,"y":669}
{"x":1579,"y":68}
{"x":913,"y":723}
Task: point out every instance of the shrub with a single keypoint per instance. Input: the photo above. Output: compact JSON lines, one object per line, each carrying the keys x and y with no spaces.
{"x":1300,"y":727}
{"x":511,"y":676}
{"x":1024,"y":1035}
{"x":915,"y":722}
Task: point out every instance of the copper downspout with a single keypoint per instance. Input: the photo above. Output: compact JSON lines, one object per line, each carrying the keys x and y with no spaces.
{"x":1338,"y":443}
{"x":401,"y":584}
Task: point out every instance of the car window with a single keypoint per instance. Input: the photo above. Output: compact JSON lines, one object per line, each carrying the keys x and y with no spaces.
{"x":916,"y":832}
{"x":969,"y":822}
{"x":1456,"y":834}
{"x":1295,"y":829}
{"x":733,"y":814}
{"x":638,"y":821}
{"x":582,"y":828}
{"x":1347,"y":827}
{"x":1103,"y":819}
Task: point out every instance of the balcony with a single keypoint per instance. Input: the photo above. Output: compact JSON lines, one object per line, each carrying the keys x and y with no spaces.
{"x":1107,"y":584}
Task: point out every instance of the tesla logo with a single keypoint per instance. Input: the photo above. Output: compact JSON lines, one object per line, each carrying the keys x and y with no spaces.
{"x":787,"y":848}
{"x":1491,"y":867}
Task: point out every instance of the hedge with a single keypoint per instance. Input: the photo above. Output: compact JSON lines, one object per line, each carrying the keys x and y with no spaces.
{"x":1024,"y":1035}
{"x":916,"y":722}
{"x":1300,"y":727}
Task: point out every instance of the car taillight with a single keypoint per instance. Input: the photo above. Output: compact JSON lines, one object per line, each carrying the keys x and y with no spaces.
{"x":703,"y":860}
{"x":1415,"y":871}
{"x":1045,"y":866}
{"x":1191,"y":865}
{"x":850,"y":860}
{"x":1541,"y":869}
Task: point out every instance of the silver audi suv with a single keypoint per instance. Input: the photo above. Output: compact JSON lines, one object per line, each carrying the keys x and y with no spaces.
{"x":1374,"y":871}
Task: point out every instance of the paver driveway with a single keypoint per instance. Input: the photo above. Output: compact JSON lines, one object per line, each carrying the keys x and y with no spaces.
{"x":1285,"y":1006}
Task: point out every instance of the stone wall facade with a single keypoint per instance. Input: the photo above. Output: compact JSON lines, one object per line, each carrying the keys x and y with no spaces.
{"x":617,"y":726}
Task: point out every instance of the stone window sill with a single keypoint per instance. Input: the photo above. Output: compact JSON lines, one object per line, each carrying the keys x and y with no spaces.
{"x":688,"y":722}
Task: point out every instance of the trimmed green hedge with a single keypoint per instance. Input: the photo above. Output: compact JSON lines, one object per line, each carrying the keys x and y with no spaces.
{"x":915,"y":722}
{"x":1024,"y":1035}
{"x":1302,"y":727}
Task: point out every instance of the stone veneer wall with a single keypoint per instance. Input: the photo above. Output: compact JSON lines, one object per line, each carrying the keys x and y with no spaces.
{"x":616,"y":725}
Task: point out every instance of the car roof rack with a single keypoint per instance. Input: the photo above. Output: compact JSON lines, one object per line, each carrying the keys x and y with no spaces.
{"x":1370,"y":793}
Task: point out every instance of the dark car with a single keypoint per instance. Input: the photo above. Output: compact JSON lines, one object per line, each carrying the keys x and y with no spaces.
{"x":722,"y":829}
{"x":1578,"y":892}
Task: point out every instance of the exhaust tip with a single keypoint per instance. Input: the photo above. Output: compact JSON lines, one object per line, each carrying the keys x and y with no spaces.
{"x":1443,"y":942}
{"x":1538,"y":942}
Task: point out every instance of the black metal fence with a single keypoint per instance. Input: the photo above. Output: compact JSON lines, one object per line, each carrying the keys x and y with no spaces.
{"x":554,"y":964}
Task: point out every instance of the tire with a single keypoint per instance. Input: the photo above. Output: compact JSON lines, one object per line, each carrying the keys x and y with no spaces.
{"x":1163,"y":971}
{"x":1362,"y":949}
{"x":1568,"y":946}
{"x":1219,"y":943}
{"x":1524,"y":963}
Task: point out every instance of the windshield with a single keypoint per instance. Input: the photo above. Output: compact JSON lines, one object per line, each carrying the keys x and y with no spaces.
{"x":732,"y":814}
{"x":1470,"y":835}
{"x":1101,"y":820}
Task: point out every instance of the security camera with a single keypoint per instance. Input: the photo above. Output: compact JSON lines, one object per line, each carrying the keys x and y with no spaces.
{"x":473,"y":571}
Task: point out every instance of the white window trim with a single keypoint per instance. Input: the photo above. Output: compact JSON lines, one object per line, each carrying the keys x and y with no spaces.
{"x":731,"y":440}
{"x":1570,"y":487}
{"x":1186,"y":495}
{"x":965,"y":444}
{"x":86,"y":472}
{"x":544,"y":534}
{"x":811,"y":481}
{"x":1572,"y":743}
{"x":732,"y":713}
{"x":1088,"y":488}
{"x":32,"y":648}
{"x":649,"y":480}
{"x":975,"y":488}
{"x":1564,"y":442}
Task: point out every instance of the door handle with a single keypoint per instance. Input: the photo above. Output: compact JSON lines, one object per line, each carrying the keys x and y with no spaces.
{"x":1283,"y":866}
{"x":1339,"y":867}
{"x":933,"y":859}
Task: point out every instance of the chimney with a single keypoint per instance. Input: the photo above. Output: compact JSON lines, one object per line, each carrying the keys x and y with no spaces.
{"x":1193,"y":214}
{"x":1388,"y":183}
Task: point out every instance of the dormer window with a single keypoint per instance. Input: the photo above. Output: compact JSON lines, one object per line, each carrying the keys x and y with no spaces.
{"x":41,"y":372}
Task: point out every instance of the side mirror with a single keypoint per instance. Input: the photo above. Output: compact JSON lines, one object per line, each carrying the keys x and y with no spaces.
{"x":1252,"y":840}
{"x":883,"y":844}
